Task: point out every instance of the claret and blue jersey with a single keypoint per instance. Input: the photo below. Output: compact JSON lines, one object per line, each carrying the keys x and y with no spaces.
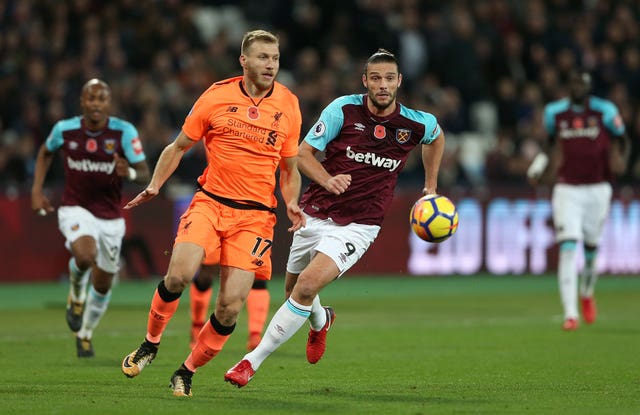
{"x":371,"y":149}
{"x":585,"y":134}
{"x":88,"y":158}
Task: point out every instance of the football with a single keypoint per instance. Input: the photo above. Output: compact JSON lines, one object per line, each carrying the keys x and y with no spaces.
{"x":434,"y":218}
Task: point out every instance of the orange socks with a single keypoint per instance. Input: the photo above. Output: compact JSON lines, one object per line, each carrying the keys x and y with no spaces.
{"x":163,"y":306}
{"x":199,"y":304}
{"x":210,"y":341}
{"x":257,"y":309}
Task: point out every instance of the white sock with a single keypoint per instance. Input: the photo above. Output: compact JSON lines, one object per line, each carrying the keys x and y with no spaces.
{"x":568,"y":280}
{"x":284,"y":324}
{"x":589,"y":275}
{"x":94,"y":309}
{"x":78,"y":282}
{"x":318,"y":316}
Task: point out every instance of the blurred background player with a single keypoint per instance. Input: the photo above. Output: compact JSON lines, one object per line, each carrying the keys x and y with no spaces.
{"x":366,"y":139}
{"x":588,"y":146}
{"x":99,"y":152}
{"x":250,"y":125}
{"x":201,"y":291}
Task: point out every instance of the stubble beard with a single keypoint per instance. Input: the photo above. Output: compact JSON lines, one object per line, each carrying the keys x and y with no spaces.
{"x":380,"y":106}
{"x":261,"y":84}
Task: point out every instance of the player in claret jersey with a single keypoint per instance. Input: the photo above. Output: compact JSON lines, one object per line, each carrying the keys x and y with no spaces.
{"x":99,"y":152}
{"x":250,"y":125}
{"x":589,"y":145}
{"x":366,"y":139}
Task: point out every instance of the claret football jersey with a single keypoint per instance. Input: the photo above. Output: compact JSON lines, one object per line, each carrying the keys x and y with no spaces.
{"x":245,"y":138}
{"x":89,"y":165}
{"x":371,"y":149}
{"x":585,"y":135}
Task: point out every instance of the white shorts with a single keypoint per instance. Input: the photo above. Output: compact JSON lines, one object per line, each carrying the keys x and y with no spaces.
{"x":345,"y":244}
{"x":76,"y":221}
{"x":580,"y":211}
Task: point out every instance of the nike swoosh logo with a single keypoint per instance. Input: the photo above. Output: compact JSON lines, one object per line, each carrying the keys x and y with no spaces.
{"x":126,"y":363}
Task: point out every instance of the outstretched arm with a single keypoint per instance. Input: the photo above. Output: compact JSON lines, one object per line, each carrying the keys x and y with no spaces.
{"x":167,"y":164}
{"x":431,"y":159}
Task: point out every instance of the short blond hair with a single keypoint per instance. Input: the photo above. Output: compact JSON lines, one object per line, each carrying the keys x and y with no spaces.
{"x":253,"y":36}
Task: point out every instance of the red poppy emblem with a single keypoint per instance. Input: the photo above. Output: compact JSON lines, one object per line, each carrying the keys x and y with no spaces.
{"x":253,"y":113}
{"x":379,"y":132}
{"x":92,"y":145}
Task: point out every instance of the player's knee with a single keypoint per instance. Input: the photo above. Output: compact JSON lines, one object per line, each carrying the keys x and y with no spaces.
{"x":102,"y":281}
{"x":85,"y":260}
{"x":306,"y":289}
{"x":227,"y":311}
{"x":175,"y":284}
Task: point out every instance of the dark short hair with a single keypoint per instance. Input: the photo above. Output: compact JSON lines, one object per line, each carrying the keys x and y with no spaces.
{"x":582,"y":74}
{"x":381,"y":56}
{"x":93,"y":82}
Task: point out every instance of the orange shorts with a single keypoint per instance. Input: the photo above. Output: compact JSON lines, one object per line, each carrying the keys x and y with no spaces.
{"x":231,"y":237}
{"x":213,"y":258}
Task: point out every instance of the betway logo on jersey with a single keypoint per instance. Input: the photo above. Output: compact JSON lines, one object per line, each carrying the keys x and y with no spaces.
{"x":373,"y":159}
{"x":587,"y":132}
{"x":91,"y":166}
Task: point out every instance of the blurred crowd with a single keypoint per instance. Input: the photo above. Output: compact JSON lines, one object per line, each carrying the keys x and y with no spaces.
{"x":485,"y":68}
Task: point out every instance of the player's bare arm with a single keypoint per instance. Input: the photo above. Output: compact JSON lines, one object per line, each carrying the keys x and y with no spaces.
{"x":619,"y":155}
{"x":167,"y":163}
{"x":541,"y":170}
{"x":555,"y":157}
{"x":311,"y":167}
{"x":39,"y":202}
{"x":290,"y":183}
{"x":431,"y":159}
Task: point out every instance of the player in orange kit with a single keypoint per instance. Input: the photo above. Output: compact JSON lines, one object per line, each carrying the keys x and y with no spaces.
{"x":250,"y":125}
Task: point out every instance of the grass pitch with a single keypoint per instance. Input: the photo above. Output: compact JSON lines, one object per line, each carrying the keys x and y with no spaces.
{"x":400,"y":345}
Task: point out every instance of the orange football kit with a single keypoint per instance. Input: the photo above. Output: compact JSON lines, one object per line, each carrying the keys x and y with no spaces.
{"x":233,"y":214}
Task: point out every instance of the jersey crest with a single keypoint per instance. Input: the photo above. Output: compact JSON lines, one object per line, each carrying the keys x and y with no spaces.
{"x":403,"y":135}
{"x":276,"y":119}
{"x":109,"y":146}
